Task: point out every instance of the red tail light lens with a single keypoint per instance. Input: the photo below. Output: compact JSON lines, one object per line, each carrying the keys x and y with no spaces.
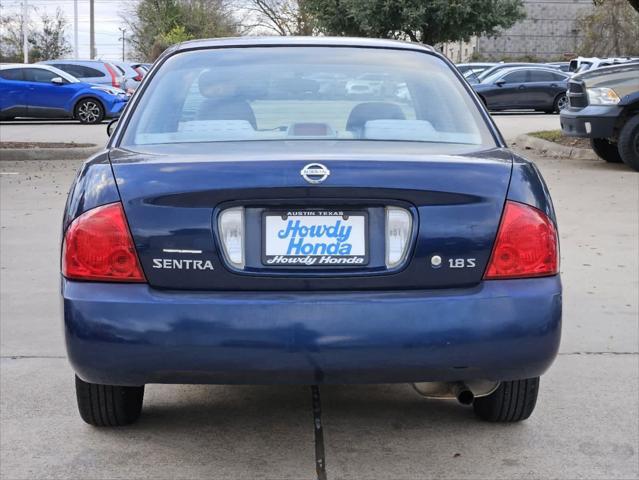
{"x":139,"y":76}
{"x":114,"y":76}
{"x":98,"y":246}
{"x":526,"y":244}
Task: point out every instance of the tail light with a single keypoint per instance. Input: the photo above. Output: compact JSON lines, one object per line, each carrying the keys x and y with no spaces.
{"x":98,"y":246}
{"x":398,"y":231}
{"x":139,"y":76}
{"x":526,"y":244}
{"x":114,"y":76}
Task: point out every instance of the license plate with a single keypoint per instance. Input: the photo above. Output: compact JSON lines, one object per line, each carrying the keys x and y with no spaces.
{"x":315,"y":238}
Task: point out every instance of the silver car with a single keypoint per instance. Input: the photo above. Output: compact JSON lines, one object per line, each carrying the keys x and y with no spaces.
{"x":91,"y":71}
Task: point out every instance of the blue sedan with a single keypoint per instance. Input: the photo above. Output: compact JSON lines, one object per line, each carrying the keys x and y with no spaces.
{"x":243,"y":226}
{"x":42,"y":91}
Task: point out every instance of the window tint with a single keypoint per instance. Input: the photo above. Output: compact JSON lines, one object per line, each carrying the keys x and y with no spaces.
{"x":301,"y":93}
{"x":38,"y":75}
{"x":80,"y":71}
{"x":557,"y":77}
{"x":541,"y":76}
{"x":516,"y":77}
{"x":11,"y":74}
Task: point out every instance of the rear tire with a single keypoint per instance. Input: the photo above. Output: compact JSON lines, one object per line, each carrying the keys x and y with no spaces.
{"x":108,"y":405}
{"x":606,"y":150}
{"x":89,"y":111}
{"x":513,"y":401}
{"x":629,"y":143}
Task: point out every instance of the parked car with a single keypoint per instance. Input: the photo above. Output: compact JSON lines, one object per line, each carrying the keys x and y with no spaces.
{"x":280,"y":241}
{"x":43,"y":91}
{"x":502,"y":66}
{"x":140,"y":68}
{"x":476,"y":67}
{"x":563,"y":66}
{"x":91,"y":71}
{"x":582,"y":64}
{"x":368,"y":84}
{"x":132,"y":76}
{"x":537,"y":88}
{"x":603,"y":105}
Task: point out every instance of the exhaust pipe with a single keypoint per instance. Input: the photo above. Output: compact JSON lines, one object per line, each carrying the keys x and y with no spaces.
{"x":463,"y":394}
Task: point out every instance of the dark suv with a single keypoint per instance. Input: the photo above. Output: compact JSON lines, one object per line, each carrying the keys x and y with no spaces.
{"x":603,"y":104}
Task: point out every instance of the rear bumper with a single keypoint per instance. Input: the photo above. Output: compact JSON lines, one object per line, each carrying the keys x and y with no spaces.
{"x":132,"y":334}
{"x":594,"y":121}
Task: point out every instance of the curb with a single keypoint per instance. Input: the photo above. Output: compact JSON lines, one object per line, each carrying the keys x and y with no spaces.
{"x":25,"y":154}
{"x":552,"y":149}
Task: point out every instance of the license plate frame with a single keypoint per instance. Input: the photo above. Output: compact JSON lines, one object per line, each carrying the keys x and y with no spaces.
{"x":306,"y":260}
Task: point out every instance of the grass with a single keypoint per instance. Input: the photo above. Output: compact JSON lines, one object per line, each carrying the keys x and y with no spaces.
{"x":549,"y":135}
{"x":557,"y":136}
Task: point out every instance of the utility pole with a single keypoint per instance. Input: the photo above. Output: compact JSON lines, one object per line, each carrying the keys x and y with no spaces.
{"x":123,"y":38}
{"x":25,"y":24}
{"x":92,"y":28}
{"x":75,"y":29}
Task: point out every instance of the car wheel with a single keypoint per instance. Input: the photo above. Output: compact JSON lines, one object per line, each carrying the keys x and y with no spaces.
{"x":561,"y":102}
{"x":513,"y":401}
{"x":605,"y":149}
{"x":629,"y":143}
{"x":108,"y":405}
{"x":89,"y":111}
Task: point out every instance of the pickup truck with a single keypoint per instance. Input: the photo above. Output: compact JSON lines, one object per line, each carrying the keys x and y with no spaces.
{"x":603,"y":104}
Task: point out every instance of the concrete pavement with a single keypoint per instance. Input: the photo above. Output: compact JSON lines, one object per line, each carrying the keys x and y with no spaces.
{"x":586,"y":424}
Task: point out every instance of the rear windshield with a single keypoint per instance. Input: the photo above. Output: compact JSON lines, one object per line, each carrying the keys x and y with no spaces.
{"x":298,"y":93}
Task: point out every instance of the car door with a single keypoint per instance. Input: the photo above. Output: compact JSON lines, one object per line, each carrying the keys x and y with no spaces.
{"x":509,"y":90}
{"x":13,"y":93}
{"x":46,"y":99}
{"x":543,"y":87}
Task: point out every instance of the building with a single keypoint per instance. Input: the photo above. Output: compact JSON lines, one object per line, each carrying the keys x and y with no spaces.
{"x":550,"y":31}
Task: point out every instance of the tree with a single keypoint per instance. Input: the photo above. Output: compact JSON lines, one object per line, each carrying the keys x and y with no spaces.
{"x":47,"y":40}
{"x":610,"y":30}
{"x":426,"y":21}
{"x":282,"y":17}
{"x":157,"y":24}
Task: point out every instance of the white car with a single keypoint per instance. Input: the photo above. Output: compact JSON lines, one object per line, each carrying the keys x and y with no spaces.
{"x":369,"y":84}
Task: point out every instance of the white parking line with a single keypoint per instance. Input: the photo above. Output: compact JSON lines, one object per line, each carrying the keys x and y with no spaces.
{"x":9,"y":173}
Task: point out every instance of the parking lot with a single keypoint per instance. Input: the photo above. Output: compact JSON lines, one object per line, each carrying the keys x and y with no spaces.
{"x":586,"y":424}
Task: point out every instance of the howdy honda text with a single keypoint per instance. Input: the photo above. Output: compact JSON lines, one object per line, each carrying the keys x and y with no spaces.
{"x":310,"y":238}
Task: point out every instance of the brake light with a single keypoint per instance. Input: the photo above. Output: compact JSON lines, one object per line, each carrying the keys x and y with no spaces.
{"x":114,"y":77}
{"x":98,"y":246}
{"x":526,"y":244}
{"x":139,"y":76}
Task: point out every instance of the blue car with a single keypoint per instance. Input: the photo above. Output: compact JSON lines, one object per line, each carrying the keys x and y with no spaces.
{"x":242,"y":227}
{"x":43,"y":91}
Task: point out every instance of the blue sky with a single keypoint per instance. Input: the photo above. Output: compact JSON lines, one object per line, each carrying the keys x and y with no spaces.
{"x":107,"y":20}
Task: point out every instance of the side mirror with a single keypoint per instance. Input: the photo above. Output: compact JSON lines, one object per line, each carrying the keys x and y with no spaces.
{"x":58,"y":81}
{"x":111,"y":126}
{"x":499,"y":83}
